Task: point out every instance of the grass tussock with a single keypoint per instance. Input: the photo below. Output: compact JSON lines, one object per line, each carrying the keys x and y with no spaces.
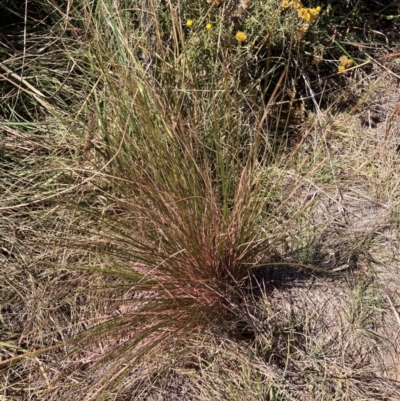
{"x":187,"y":213}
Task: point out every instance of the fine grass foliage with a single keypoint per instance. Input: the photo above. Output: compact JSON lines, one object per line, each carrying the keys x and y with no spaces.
{"x":165,"y":198}
{"x":181,"y":199}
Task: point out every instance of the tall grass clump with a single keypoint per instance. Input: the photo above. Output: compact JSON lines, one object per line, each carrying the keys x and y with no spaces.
{"x":178,"y":194}
{"x":173,"y":181}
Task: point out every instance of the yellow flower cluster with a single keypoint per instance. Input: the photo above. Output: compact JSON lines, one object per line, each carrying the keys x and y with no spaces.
{"x":309,"y":14}
{"x":305,"y":13}
{"x":345,"y":63}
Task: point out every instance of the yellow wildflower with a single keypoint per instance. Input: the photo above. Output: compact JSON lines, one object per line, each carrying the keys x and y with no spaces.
{"x":189,"y":23}
{"x":240,"y":36}
{"x":208,"y":26}
{"x":286,"y":4}
{"x":341,"y":68}
{"x":346,"y":62}
{"x":304,"y":13}
{"x":314,"y":11}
